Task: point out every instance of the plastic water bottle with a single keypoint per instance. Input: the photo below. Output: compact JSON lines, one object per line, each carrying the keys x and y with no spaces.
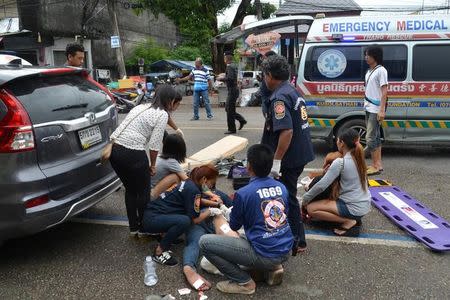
{"x":150,"y":277}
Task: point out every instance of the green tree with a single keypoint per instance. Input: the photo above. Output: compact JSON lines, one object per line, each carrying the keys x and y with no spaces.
{"x":267,"y":10}
{"x":149,"y":50}
{"x":196,"y":20}
{"x":186,"y":52}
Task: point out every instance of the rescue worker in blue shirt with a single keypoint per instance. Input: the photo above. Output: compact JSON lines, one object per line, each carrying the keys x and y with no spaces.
{"x":287,"y":132}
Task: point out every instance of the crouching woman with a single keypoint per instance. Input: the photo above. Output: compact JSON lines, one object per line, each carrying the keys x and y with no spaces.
{"x":354,"y":197}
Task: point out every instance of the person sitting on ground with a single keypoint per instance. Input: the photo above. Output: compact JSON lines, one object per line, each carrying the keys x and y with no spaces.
{"x":354,"y":196}
{"x":262,"y":208}
{"x":172,"y":213}
{"x":169,"y":172}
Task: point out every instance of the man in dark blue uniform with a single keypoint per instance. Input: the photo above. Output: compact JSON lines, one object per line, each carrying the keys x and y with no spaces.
{"x":230,"y":78}
{"x":287,"y":132}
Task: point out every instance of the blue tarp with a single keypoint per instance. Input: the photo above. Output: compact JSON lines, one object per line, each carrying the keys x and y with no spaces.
{"x":167,"y":65}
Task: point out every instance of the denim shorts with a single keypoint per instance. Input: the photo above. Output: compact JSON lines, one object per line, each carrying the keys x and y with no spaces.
{"x":343,"y":210}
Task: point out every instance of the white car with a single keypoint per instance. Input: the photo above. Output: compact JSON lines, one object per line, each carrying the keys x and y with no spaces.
{"x":249,"y":79}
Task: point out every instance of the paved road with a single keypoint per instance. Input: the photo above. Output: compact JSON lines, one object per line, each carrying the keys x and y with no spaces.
{"x":93,"y":257}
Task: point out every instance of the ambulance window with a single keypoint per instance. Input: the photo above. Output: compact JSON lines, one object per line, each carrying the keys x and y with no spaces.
{"x":431,"y":63}
{"x":394,"y":60}
{"x":335,"y":63}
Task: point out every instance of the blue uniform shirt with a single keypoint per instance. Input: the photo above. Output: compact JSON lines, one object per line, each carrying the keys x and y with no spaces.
{"x":182,"y":200}
{"x":262,"y":208}
{"x":287,"y":110}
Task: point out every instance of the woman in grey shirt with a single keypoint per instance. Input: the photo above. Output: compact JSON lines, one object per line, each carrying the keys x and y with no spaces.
{"x":354,"y":196}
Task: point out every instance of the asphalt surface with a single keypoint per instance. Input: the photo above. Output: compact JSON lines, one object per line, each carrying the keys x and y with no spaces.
{"x":92,"y":257}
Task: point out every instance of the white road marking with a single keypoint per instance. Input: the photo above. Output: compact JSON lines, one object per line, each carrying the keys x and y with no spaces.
{"x":316,"y":237}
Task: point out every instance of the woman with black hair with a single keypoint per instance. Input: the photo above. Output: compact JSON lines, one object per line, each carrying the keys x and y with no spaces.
{"x":354,"y":197}
{"x":144,"y":125}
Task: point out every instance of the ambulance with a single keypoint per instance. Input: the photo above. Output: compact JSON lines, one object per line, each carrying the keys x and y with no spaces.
{"x":416,"y":54}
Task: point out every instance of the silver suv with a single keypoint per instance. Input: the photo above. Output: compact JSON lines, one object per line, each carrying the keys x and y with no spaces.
{"x":53,"y":124}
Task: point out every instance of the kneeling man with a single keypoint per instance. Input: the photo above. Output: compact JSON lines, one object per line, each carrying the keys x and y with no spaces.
{"x":262,"y":208}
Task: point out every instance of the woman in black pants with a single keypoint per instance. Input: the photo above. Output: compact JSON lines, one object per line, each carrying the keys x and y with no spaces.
{"x":144,"y":124}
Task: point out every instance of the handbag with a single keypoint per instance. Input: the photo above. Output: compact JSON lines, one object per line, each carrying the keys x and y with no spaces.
{"x":107,"y":150}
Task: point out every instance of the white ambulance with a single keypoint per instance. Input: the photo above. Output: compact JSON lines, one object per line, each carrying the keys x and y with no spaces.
{"x":416,"y":54}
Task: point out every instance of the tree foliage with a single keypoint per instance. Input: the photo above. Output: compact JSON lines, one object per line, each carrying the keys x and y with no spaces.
{"x":266,"y":8}
{"x":149,"y":50}
{"x":186,"y":52}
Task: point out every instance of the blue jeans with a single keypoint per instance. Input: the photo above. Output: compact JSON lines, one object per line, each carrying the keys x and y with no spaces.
{"x":172,"y":225}
{"x":196,"y":103}
{"x":191,"y":251}
{"x":373,"y":134}
{"x":227,"y":253}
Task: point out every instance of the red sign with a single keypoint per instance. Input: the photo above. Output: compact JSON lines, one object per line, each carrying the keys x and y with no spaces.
{"x":263,"y":42}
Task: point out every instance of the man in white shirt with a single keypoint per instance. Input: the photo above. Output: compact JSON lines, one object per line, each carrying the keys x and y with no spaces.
{"x":376,"y":83}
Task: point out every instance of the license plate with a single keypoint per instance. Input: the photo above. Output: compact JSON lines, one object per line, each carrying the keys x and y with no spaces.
{"x":90,"y":136}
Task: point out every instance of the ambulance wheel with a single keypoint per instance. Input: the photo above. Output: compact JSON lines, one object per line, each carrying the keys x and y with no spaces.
{"x":358,"y":124}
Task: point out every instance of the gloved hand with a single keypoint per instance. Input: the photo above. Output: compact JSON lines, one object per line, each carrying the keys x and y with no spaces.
{"x":226,"y":211}
{"x":275,"y":171}
{"x":214,"y":211}
{"x":179,"y":132}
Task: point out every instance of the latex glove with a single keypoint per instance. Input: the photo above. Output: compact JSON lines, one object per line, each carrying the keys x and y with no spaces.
{"x":179,"y":132}
{"x":275,"y":171}
{"x":214,"y":211}
{"x":226,"y":212}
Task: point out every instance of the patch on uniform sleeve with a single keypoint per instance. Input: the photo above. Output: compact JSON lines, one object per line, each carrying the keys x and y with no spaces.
{"x":304,"y":114}
{"x":279,"y":109}
{"x":198,"y":197}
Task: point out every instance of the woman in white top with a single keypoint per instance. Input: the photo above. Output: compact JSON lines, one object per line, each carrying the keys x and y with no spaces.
{"x":354,"y":196}
{"x":144,"y":124}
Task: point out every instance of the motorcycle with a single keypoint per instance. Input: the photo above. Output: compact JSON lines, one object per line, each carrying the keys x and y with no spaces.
{"x":124,"y":105}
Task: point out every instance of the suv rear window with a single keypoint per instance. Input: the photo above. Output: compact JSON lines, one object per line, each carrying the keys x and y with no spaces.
{"x":56,"y":98}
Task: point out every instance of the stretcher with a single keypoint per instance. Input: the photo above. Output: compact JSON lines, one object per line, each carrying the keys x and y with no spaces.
{"x":223,"y":148}
{"x":411,"y":215}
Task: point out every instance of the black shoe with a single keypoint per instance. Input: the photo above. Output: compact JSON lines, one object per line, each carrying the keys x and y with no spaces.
{"x":165,"y":258}
{"x":229,"y":132}
{"x":241,"y":125}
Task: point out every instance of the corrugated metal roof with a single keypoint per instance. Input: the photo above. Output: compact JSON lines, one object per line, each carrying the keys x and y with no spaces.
{"x":298,"y":7}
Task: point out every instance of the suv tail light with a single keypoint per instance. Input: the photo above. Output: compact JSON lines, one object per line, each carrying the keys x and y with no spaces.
{"x":36,"y":201}
{"x":16,"y":133}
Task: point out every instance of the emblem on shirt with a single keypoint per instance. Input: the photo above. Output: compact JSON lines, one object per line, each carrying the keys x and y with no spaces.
{"x":274,"y":215}
{"x":197,"y":201}
{"x":279,"y":109}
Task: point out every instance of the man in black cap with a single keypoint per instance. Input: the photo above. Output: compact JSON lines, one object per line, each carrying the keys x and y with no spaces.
{"x":233,"y":93}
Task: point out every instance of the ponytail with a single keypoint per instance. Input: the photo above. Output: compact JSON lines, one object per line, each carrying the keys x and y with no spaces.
{"x":350,"y":137}
{"x":358,"y":157}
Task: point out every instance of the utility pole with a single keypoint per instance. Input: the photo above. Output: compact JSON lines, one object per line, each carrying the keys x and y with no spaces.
{"x":115,"y":27}
{"x":258,"y":9}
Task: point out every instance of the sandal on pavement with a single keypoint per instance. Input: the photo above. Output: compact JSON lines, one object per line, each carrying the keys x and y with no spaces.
{"x":231,"y":287}
{"x":373,"y":171}
{"x":348,"y":232}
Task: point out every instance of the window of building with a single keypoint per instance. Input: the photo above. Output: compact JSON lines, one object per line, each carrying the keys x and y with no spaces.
{"x":431,"y":63}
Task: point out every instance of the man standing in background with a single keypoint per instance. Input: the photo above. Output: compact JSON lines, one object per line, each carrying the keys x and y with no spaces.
{"x":74,"y":55}
{"x":202,"y":81}
{"x":230,"y":79}
{"x":375,"y":101}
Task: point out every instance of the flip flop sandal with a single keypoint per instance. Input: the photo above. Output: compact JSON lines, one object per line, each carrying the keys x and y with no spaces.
{"x":372,"y":171}
{"x":348,"y":232}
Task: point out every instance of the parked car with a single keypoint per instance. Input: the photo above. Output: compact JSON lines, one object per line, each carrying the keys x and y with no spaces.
{"x":54,"y":123}
{"x":249,"y":79}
